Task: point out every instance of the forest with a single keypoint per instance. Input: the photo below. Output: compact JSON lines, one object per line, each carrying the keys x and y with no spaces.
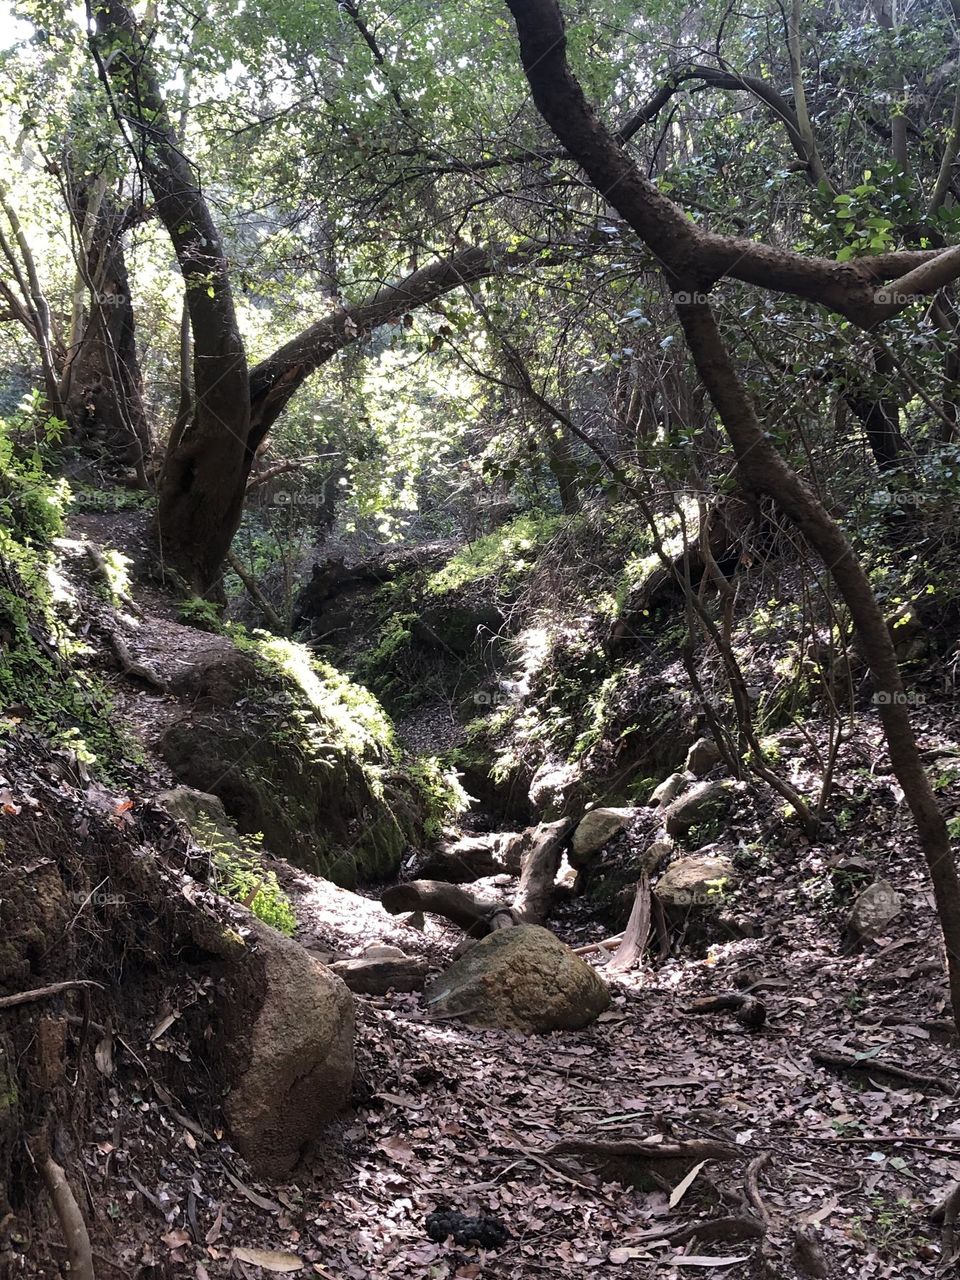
{"x":479,"y":639}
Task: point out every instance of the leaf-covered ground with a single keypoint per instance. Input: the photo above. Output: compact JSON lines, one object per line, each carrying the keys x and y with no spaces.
{"x":841,"y":1166}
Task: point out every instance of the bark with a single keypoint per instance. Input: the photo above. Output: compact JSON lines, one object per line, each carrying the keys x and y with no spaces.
{"x":101,"y":384}
{"x":880,"y":415}
{"x":202,"y":487}
{"x":475,"y":916}
{"x":686,"y":256}
{"x":538,"y":870}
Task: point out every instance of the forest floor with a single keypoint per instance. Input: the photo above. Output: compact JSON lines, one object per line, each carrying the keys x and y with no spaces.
{"x":842,"y":1166}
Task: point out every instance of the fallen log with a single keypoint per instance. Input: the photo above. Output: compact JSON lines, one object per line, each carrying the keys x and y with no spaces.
{"x":540,"y":862}
{"x":879,"y":1067}
{"x":475,"y":916}
{"x":645,"y":1163}
{"x":749,"y":1010}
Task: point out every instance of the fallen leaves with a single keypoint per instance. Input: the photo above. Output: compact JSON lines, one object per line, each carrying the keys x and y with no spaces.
{"x":269,"y":1259}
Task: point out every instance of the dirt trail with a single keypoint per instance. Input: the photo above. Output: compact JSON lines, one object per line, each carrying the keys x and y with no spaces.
{"x":448,"y":1115}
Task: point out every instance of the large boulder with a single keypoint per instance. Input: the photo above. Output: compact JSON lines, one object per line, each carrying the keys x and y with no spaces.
{"x":697,"y":880}
{"x":296,"y":1058}
{"x":520,"y":979}
{"x":595,"y":829}
{"x":296,"y":753}
{"x":704,"y":802}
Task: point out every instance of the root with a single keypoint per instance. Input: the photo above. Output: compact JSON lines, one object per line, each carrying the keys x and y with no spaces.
{"x":74,"y":1228}
{"x":129,"y":665}
{"x":748,"y":1009}
{"x":42,"y":993}
{"x":877,"y":1067}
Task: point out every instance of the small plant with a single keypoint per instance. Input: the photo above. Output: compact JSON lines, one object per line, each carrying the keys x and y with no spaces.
{"x":199,"y":613}
{"x":239,"y":874}
{"x":889,"y":1227}
{"x":441,"y":793}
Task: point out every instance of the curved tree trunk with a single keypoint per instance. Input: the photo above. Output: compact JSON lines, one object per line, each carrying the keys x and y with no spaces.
{"x":687,"y":256}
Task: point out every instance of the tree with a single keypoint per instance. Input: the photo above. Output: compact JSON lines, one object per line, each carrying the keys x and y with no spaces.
{"x":693,"y":260}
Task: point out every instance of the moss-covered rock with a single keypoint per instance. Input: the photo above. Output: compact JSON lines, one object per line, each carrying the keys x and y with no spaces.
{"x":300,"y":755}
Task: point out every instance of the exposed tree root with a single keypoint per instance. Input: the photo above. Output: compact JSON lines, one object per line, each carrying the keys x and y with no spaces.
{"x":749,"y":1010}
{"x":71,"y":1220}
{"x":42,"y":993}
{"x":475,"y":916}
{"x":878,"y":1067}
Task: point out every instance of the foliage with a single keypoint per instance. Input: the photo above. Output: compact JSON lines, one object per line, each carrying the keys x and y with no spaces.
{"x":500,"y":558}
{"x":240,"y":874}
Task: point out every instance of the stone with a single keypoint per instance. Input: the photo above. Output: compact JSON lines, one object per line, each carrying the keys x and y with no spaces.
{"x":703,"y":802}
{"x":595,"y":829}
{"x":520,"y":979}
{"x":375,"y":975}
{"x":873,"y":910}
{"x":551,"y":788}
{"x":668,"y":790}
{"x":200,"y":811}
{"x":296,"y":1055}
{"x":697,"y":880}
{"x":703,"y":756}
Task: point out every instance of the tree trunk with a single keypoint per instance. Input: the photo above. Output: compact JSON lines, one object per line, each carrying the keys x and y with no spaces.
{"x":101,"y":385}
{"x":686,"y":254}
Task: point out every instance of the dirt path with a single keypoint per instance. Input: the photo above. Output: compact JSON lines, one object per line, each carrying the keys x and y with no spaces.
{"x":451,"y":1116}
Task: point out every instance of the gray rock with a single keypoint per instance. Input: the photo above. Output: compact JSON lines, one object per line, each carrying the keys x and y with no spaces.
{"x":520,"y":979}
{"x":873,"y":910}
{"x":550,"y":789}
{"x":703,"y":802}
{"x":697,"y":880}
{"x":669,"y":789}
{"x":595,"y":829}
{"x":200,"y":812}
{"x":703,"y":756}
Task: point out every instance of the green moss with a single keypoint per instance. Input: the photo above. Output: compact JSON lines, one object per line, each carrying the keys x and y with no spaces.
{"x":199,"y":613}
{"x":507,"y":555}
{"x":40,"y":648}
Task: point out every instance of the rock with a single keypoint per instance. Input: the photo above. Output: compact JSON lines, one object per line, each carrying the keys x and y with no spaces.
{"x":375,"y":975}
{"x":704,"y":802}
{"x":702,"y":757}
{"x":474,"y":857}
{"x":297,"y":1056}
{"x":696,"y":880}
{"x":655,"y":853}
{"x":458,"y":628}
{"x":381,"y":951}
{"x":873,"y":910}
{"x":668,"y":790}
{"x":594,"y":830}
{"x":199,"y":811}
{"x":217,"y":672}
{"x":521,"y":979}
{"x":551,"y":788}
